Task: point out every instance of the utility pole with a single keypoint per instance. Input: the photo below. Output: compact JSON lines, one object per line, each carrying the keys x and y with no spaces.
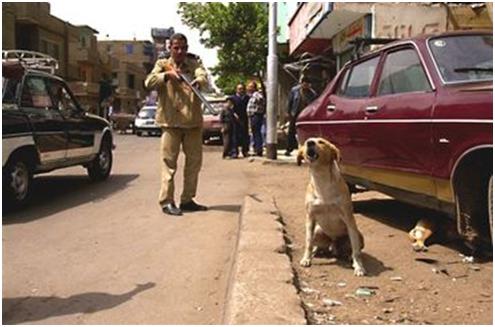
{"x":272,"y":84}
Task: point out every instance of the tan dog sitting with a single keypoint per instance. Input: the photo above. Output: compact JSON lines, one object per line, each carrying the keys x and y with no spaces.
{"x":328,"y":203}
{"x":418,"y":235}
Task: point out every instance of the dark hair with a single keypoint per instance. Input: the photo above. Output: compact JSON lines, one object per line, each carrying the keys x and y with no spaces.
{"x":178,"y":36}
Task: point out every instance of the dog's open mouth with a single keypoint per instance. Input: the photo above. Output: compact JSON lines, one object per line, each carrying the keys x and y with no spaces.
{"x":312,"y":154}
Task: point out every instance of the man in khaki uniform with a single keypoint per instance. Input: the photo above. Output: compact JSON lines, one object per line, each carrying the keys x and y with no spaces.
{"x":180,"y":116}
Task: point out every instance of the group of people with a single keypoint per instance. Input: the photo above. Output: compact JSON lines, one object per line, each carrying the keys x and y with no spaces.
{"x":180,"y":116}
{"x":241,"y":111}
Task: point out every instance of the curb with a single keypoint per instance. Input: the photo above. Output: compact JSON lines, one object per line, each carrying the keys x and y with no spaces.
{"x":261,"y":288}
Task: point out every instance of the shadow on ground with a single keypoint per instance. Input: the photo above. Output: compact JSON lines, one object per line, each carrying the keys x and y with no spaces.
{"x":228,"y":208}
{"x":36,"y":308}
{"x":52,"y":194}
{"x":403,"y":216}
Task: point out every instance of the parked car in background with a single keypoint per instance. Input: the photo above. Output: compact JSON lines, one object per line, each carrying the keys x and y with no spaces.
{"x":145,"y":122}
{"x":44,"y":128}
{"x":212,"y":127}
{"x":414,"y":120}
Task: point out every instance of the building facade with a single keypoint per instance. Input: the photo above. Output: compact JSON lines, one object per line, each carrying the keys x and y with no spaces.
{"x":328,"y":29}
{"x":30,"y":26}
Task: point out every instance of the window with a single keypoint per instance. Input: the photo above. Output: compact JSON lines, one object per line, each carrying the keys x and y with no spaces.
{"x":35,"y":94}
{"x":403,"y":73}
{"x":342,"y":83}
{"x":360,"y":79}
{"x":130,"y":81}
{"x":9,"y":89}
{"x":129,"y":49}
{"x":61,"y":98}
{"x":463,"y":58}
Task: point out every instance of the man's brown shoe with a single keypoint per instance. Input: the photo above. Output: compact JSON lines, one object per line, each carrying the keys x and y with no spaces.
{"x":192,"y":206}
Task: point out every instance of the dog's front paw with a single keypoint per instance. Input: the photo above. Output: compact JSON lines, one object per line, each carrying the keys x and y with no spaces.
{"x":305,"y":262}
{"x":359,"y":272}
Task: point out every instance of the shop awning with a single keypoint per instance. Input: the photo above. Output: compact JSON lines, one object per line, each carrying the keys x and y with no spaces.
{"x":320,"y":37}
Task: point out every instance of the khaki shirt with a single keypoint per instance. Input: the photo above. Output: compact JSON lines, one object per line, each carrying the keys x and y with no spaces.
{"x":178,"y":106}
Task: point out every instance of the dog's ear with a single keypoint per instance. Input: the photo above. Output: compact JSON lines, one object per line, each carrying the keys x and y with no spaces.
{"x":300,"y":155}
{"x":335,"y":153}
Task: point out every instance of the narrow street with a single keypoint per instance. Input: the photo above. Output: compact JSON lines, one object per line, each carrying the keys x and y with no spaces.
{"x":86,"y":253}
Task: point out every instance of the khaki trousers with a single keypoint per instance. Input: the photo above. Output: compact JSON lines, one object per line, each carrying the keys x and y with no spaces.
{"x":192,"y":143}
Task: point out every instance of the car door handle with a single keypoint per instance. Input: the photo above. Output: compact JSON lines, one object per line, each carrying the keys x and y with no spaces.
{"x":331,"y":107}
{"x":372,"y":109}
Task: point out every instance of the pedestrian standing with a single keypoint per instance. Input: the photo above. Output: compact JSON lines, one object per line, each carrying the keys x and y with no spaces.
{"x":180,"y":116}
{"x":242,"y":125}
{"x":256,"y":113}
{"x":227,"y":118}
{"x":300,"y":96}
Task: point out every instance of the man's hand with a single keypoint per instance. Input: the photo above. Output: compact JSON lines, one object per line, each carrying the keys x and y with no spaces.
{"x":172,"y":74}
{"x":195,"y":83}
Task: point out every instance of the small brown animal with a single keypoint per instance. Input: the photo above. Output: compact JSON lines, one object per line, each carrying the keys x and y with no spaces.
{"x":329,"y":214}
{"x":422,"y":231}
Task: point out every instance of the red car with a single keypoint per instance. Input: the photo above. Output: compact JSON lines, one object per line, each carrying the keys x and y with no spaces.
{"x":414,"y":120}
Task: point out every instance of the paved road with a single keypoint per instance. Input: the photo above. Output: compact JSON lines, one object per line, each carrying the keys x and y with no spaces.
{"x":86,"y":253}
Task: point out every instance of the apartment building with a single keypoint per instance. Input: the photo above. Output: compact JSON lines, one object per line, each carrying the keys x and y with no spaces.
{"x":135,"y":61}
{"x":30,"y":26}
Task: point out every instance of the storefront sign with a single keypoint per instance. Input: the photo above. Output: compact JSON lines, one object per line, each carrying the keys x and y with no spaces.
{"x":360,"y":28}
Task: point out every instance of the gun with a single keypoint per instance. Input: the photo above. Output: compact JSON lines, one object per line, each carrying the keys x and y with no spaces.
{"x":198,"y":93}
{"x":186,"y":80}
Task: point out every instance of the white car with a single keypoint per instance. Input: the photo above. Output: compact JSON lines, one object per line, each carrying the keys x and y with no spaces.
{"x":145,"y":121}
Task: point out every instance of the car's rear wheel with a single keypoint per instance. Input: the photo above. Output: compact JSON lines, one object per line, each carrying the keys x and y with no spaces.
{"x":138,"y":133}
{"x":17,"y":181}
{"x":99,"y":169}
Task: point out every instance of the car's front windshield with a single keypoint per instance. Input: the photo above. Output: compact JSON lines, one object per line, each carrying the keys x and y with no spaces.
{"x":463,"y":58}
{"x":147,"y":113}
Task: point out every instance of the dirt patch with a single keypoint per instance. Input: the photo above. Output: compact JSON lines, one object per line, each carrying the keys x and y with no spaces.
{"x":402,"y":286}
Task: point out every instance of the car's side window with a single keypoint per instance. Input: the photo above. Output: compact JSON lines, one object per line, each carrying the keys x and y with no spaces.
{"x":35,"y":93}
{"x":361,"y":76}
{"x":342,"y":83}
{"x":403,"y":73}
{"x":62,"y":100}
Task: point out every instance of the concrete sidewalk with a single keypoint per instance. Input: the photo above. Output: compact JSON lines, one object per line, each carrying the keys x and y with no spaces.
{"x":261,"y":289}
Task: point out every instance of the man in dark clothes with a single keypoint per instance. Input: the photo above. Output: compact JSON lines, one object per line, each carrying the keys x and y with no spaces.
{"x":300,"y":96}
{"x":227,"y":118}
{"x":241,"y":100}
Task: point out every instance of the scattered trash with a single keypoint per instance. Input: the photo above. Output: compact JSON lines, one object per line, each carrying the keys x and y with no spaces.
{"x":365,"y":292}
{"x":475,"y":268}
{"x":199,"y":308}
{"x":342,"y":284}
{"x":396,"y":279}
{"x":309,"y":305}
{"x":331,"y":303}
{"x":308,"y":290}
{"x":466,"y":259}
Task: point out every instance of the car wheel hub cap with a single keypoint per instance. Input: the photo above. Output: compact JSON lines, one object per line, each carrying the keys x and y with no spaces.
{"x":20,"y":181}
{"x":104,"y":160}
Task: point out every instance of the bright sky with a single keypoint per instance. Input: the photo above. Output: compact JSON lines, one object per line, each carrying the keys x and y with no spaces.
{"x":125,"y":20}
